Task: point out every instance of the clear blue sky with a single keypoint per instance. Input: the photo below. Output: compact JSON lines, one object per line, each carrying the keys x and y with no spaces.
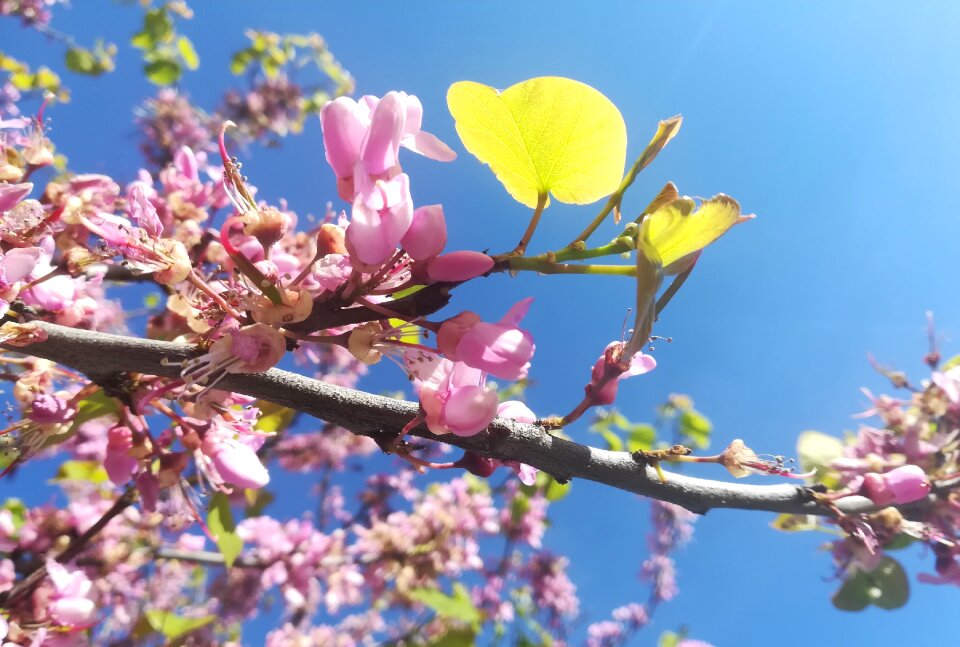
{"x":836,"y":123}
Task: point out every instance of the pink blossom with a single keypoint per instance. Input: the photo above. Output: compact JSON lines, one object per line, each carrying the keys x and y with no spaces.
{"x":452,"y":395}
{"x":949,"y":383}
{"x":70,"y":603}
{"x":379,"y":220}
{"x":610,"y":366}
{"x":364,"y":138}
{"x":901,"y":485}
{"x":501,"y":349}
{"x":143,"y":212}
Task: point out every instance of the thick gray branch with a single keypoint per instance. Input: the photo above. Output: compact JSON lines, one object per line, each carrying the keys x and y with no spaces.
{"x":101,"y":356}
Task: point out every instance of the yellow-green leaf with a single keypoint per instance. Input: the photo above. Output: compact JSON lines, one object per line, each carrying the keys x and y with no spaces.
{"x":679,"y":230}
{"x":274,"y":418}
{"x":816,"y":450}
{"x":545,"y":135}
{"x":173,"y":626}
{"x":223,"y":529}
{"x":794,"y":522}
{"x":89,"y":471}
{"x":188,"y":53}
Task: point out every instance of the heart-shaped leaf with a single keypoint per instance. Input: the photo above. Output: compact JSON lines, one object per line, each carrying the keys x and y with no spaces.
{"x":548,"y":135}
{"x":679,"y":230}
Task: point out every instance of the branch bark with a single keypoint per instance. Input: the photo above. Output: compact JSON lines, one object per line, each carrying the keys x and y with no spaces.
{"x":102,"y":356}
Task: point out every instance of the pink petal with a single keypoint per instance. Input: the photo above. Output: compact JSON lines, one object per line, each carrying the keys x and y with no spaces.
{"x":498,"y":350}
{"x":18,"y":263}
{"x":343,"y":133}
{"x":469,"y":410}
{"x":430,"y":146}
{"x":381,"y":148}
{"x":12,"y":194}
{"x":516,"y":410}
{"x":427,"y":234}
{"x":73,"y":612}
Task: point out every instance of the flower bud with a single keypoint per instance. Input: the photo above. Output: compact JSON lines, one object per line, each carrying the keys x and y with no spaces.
{"x":901,"y":485}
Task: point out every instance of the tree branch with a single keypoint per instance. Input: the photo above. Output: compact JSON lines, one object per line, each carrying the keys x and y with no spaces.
{"x":101,"y":356}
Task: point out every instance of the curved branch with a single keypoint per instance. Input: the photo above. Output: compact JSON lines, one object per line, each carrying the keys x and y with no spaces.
{"x":102,"y":356}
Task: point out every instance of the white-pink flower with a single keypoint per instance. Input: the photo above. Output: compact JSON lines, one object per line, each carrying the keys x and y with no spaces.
{"x":70,"y":604}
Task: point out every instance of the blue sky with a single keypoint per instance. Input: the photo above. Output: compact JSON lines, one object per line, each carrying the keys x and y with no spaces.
{"x":836,"y":123}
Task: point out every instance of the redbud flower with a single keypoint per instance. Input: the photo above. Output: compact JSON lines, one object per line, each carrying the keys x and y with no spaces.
{"x":901,"y":485}
{"x":949,"y":383}
{"x":70,"y":604}
{"x":611,"y":367}
{"x":379,"y":220}
{"x":501,"y":349}
{"x":252,"y":349}
{"x":15,"y":265}
{"x":452,"y":395}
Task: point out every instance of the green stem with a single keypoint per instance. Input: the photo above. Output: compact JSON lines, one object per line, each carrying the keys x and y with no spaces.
{"x":546,"y":267}
{"x":666,"y":130}
{"x":674,"y":288}
{"x":534,"y":221}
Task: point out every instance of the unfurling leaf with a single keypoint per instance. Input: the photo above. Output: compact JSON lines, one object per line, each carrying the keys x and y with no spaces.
{"x":679,"y":230}
{"x":545,"y":135}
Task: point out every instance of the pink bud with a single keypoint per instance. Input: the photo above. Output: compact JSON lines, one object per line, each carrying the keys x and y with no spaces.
{"x":239,"y":465}
{"x":901,"y":485}
{"x":427,"y":233}
{"x":459,"y":266}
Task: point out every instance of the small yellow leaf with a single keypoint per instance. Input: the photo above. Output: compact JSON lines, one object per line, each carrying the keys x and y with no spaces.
{"x":679,"y":230}
{"x":545,"y":135}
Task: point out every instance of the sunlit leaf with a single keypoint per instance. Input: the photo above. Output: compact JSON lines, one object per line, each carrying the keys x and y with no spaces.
{"x":679,"y":229}
{"x":545,"y":135}
{"x":640,"y":437}
{"x":794,"y":522}
{"x":88,"y":471}
{"x":257,"y":500}
{"x":695,"y":428}
{"x":886,"y":587}
{"x":458,"y":606}
{"x":953,"y":362}
{"x":96,"y":405}
{"x":816,"y":450}
{"x":81,"y":61}
{"x":274,"y":418}
{"x":173,"y":626}
{"x":223,"y":529}
{"x":456,"y":637}
{"x":188,"y":53}
{"x":162,"y":72}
